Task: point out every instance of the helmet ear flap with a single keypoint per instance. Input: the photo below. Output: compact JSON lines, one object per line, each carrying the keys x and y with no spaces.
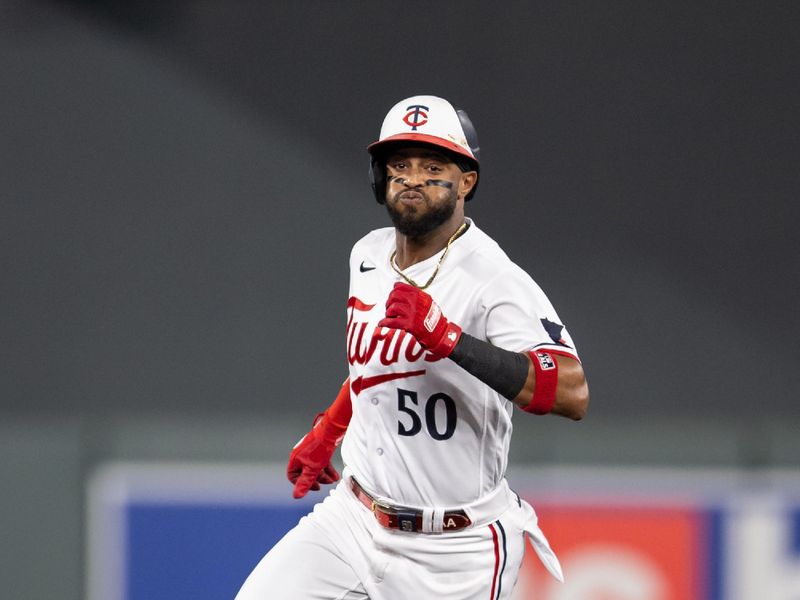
{"x":472,"y":142}
{"x":469,"y":133}
{"x":377,"y":179}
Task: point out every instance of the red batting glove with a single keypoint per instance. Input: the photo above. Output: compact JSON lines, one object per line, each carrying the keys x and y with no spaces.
{"x":310,"y":460}
{"x":411,"y":309}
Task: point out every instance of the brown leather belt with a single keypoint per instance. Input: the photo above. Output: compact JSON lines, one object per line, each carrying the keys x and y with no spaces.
{"x":406,"y":519}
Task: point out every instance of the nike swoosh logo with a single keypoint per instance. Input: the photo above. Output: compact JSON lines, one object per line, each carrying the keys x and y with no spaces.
{"x":362,"y":383}
{"x":365,"y":269}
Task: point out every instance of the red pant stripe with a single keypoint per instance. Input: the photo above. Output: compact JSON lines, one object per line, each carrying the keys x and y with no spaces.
{"x":496,"y":560}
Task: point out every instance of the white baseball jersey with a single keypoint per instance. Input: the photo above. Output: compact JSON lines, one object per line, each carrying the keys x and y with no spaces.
{"x":425,"y":432}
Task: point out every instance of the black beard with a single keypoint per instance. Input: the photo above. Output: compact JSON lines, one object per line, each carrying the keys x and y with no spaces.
{"x":411,"y":225}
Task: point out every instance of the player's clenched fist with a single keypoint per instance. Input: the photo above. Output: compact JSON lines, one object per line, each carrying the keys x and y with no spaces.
{"x":411,"y":309}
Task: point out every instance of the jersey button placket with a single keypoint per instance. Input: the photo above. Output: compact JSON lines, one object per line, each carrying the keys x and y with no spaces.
{"x":374,"y":400}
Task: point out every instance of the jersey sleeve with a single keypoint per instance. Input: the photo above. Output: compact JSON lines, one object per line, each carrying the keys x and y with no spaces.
{"x":351,"y":259}
{"x":520,"y":317}
{"x":361,"y":250}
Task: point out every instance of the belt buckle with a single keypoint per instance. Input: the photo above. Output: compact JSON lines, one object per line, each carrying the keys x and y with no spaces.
{"x":406,"y":521}
{"x":385,"y":508}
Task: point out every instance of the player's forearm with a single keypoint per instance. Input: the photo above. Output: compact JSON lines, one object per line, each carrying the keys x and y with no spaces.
{"x":504,"y":371}
{"x":512,"y":375}
{"x":339,"y":413}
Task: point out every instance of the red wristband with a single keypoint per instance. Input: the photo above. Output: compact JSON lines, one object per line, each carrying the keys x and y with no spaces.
{"x":544,"y":392}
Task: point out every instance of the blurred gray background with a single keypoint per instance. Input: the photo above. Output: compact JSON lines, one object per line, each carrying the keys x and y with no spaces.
{"x":181,"y":182}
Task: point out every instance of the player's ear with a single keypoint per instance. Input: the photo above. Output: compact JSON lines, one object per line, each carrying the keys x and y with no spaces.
{"x":466,"y":183}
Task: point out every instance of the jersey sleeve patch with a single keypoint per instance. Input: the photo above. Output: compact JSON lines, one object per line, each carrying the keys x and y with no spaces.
{"x":554,"y":331}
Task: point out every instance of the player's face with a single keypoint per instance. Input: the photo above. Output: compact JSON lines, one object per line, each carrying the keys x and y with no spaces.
{"x":423,"y":190}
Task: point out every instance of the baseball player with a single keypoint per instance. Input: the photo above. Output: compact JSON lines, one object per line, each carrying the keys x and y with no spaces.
{"x":445,"y":336}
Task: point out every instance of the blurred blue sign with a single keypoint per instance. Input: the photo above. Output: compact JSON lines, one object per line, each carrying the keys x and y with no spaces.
{"x":194,"y":532}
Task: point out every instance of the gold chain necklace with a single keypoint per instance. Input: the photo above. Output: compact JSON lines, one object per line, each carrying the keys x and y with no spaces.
{"x":439,"y":264}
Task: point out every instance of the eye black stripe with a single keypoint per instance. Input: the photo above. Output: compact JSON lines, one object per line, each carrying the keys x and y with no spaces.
{"x":440,"y":182}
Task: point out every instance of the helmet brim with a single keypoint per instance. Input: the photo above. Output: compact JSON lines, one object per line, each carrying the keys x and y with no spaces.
{"x":382,"y":146}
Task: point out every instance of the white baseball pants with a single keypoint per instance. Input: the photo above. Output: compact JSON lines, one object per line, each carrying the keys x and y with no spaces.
{"x":340,"y":552}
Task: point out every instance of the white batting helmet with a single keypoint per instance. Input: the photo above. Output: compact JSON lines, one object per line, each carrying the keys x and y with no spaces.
{"x":430,"y":121}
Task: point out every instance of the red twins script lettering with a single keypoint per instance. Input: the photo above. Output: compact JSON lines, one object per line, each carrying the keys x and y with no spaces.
{"x":392,"y":342}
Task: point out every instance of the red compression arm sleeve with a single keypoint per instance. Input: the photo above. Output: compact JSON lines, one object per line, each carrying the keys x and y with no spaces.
{"x":339,"y":413}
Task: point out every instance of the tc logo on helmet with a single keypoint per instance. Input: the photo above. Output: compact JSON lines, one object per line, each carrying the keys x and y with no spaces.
{"x":416,"y":116}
